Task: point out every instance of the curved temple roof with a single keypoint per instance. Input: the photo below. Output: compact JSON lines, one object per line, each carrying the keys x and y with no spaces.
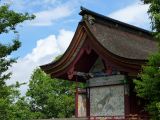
{"x":122,"y":42}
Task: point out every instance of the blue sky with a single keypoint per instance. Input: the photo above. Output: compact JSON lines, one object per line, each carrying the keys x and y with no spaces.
{"x":53,"y":28}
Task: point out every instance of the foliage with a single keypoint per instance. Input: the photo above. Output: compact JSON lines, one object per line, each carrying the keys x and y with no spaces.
{"x":15,"y":107}
{"x":154,"y":12}
{"x":20,"y":110}
{"x":9,"y":19}
{"x":51,"y":97}
{"x":148,"y":85}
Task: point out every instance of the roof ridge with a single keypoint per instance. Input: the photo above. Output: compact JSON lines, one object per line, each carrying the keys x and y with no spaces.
{"x":87,"y":11}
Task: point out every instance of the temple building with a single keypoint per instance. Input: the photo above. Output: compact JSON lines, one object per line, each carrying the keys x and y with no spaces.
{"x":107,"y":55}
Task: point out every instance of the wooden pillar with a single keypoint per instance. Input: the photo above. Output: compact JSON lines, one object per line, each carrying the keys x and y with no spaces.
{"x":76,"y":99}
{"x":126,"y":99}
{"x":88,"y":102}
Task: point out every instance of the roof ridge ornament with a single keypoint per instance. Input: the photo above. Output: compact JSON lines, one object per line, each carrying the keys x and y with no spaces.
{"x":88,"y":18}
{"x":91,"y":19}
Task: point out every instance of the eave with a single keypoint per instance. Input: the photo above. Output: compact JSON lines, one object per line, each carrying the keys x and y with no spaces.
{"x":84,"y":41}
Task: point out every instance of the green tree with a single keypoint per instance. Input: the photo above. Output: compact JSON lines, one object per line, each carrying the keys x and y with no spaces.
{"x":19,"y":108}
{"x":148,"y":87}
{"x":9,"y":19}
{"x":51,"y":97}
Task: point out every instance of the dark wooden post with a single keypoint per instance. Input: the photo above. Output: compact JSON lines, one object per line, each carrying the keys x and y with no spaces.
{"x":126,"y":99}
{"x":88,"y":102}
{"x":76,"y":99}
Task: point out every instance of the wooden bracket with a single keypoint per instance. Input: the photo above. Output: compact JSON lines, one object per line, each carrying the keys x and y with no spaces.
{"x":71,"y":73}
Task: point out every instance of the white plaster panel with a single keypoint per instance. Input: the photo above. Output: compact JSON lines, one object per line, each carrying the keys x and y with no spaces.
{"x":107,"y":101}
{"x":81,"y":105}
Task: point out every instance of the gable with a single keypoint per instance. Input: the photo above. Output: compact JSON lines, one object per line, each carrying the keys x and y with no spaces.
{"x":98,"y":66}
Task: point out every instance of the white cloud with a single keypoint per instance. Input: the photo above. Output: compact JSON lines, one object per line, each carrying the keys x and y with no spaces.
{"x":46,"y":18}
{"x":44,"y":47}
{"x":49,"y":16}
{"x":135,"y":14}
{"x":64,"y":39}
{"x":47,"y":12}
{"x":44,"y":52}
